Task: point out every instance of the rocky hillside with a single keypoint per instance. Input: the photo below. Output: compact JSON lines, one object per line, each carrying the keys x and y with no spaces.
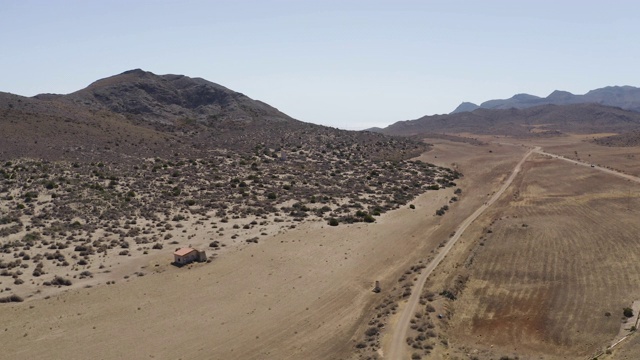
{"x":137,"y":163}
{"x":631,"y":138}
{"x":170,"y":99}
{"x":546,"y":120}
{"x":140,"y":114}
{"x":625,"y":97}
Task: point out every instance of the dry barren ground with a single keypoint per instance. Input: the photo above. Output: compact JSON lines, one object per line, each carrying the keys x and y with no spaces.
{"x":296,"y":295}
{"x":552,"y":267}
{"x":544,"y":273}
{"x":302,"y":294}
{"x":489,"y":166}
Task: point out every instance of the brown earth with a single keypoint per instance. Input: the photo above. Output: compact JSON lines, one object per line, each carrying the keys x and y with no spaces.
{"x":631,"y":138}
{"x":306,"y":293}
{"x":546,"y":271}
{"x":309,"y":288}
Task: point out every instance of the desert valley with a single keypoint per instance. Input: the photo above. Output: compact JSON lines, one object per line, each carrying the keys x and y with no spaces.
{"x":507,"y":230}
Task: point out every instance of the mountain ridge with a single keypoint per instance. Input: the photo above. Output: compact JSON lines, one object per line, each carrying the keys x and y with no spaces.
{"x":543,"y":120}
{"x":625,"y":97}
{"x":168,"y":98}
{"x":140,"y":114}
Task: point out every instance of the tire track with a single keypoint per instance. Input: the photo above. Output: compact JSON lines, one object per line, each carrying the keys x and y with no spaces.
{"x":397,"y":347}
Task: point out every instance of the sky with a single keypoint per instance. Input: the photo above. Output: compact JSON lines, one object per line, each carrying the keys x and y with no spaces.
{"x":351,"y":64}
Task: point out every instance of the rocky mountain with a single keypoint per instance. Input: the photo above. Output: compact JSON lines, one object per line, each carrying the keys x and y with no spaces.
{"x":170,"y":99}
{"x":545,"y":120}
{"x":62,"y":130}
{"x":625,"y":97}
{"x":464,"y":107}
{"x":138,"y":114}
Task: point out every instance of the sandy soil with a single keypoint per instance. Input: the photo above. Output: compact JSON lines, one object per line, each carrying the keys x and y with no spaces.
{"x":306,"y":292}
{"x":558,"y":234}
{"x":396,"y":343}
{"x":303,"y":290}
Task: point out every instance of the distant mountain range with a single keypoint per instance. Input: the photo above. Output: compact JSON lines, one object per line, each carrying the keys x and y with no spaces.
{"x":624,"y":97}
{"x":612,"y":109}
{"x":543,"y":120}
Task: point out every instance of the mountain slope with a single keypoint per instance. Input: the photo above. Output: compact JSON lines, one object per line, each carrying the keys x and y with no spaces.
{"x":464,"y":107}
{"x":625,"y":97}
{"x":139,"y":114}
{"x":171,"y":99}
{"x":55,"y":130}
{"x":534,"y":121}
{"x":631,"y":138}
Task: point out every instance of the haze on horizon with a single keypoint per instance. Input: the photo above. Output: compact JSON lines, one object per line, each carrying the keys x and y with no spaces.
{"x":348,"y":64}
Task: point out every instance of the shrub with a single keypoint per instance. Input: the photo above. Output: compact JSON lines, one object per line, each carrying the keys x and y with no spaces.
{"x":58,"y":280}
{"x":448,"y":294}
{"x":369,"y":218}
{"x":372,"y":331}
{"x":12,"y":298}
{"x":627,"y":312}
{"x":333,"y":222}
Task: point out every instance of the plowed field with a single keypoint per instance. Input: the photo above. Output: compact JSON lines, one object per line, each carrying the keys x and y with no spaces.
{"x":556,"y":267}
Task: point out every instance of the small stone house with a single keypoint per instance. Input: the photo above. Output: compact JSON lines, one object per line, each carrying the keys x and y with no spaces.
{"x":187,"y":255}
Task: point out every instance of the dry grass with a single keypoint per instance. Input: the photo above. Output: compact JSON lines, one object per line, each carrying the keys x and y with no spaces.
{"x":561,"y":252}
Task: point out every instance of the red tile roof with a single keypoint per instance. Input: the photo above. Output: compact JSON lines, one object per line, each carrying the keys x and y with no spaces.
{"x":183,"y":251}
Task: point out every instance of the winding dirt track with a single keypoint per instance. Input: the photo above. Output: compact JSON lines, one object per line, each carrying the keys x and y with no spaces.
{"x":397,"y":347}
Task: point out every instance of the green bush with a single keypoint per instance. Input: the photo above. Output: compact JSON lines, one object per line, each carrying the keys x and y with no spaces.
{"x":627,"y":312}
{"x":369,"y":218}
{"x":333,"y":222}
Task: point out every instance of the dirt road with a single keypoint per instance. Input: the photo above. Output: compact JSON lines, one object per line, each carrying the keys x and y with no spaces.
{"x":397,"y":347}
{"x":608,"y":171}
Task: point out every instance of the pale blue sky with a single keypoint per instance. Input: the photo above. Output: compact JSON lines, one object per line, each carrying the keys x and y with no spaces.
{"x":349,"y":64}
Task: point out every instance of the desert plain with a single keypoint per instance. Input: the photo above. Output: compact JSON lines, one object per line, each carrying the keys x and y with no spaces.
{"x":493,"y":234}
{"x":544,"y":272}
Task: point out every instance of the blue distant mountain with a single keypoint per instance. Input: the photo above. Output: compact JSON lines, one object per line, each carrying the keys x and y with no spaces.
{"x":625,"y":97}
